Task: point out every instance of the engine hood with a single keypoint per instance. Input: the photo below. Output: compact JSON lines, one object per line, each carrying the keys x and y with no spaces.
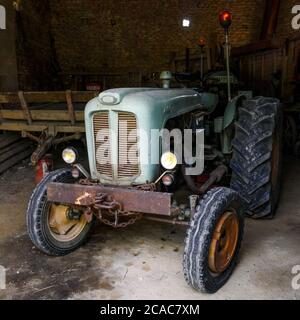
{"x":152,"y":108}
{"x":165,"y":103}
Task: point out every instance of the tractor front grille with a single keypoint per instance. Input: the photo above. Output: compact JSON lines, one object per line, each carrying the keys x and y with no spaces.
{"x":126,"y":153}
{"x":101,"y":123}
{"x":127,"y":144}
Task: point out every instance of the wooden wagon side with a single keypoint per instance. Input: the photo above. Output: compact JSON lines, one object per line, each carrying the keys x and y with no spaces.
{"x":48,"y":118}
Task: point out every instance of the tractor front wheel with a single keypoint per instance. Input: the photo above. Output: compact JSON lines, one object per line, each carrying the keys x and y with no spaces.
{"x":53,"y":228}
{"x":213,"y":240}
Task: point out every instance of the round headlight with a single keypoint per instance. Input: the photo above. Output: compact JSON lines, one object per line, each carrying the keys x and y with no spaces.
{"x":168,"y":160}
{"x":69,"y":155}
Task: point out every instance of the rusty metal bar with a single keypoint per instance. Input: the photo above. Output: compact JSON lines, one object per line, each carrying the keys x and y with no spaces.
{"x":75,"y":136}
{"x":42,"y":148}
{"x":26,"y":134}
{"x":130,"y":199}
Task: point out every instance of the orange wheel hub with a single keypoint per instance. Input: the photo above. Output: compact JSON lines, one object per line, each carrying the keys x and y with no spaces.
{"x":224,"y":242}
{"x":63,"y":228}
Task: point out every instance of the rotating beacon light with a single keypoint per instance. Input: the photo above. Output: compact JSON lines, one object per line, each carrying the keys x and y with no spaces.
{"x":225,"y":19}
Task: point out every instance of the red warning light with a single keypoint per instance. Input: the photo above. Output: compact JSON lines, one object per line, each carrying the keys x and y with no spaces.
{"x":225,"y":19}
{"x":201,"y":42}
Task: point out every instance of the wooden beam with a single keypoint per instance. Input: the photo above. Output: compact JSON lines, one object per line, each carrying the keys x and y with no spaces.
{"x":270,"y":19}
{"x":58,"y":127}
{"x":258,"y":46}
{"x":70,"y":106}
{"x":48,"y":96}
{"x":24,"y":106}
{"x":42,"y":115}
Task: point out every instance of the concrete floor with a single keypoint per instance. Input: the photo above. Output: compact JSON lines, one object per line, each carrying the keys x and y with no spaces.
{"x":144,"y":260}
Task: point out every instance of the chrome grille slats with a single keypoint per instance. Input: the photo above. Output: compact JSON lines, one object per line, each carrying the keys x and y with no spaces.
{"x":101,"y":122}
{"x":128,"y":166}
{"x":127,"y":145}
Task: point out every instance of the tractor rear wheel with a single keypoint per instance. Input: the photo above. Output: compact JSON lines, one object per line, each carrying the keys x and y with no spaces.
{"x":213,"y":240}
{"x":256,"y":159}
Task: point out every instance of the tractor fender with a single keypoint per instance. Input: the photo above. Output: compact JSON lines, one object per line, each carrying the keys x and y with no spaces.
{"x":231,"y":109}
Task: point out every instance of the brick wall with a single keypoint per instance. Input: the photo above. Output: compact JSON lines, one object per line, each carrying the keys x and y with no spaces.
{"x":284,"y":28}
{"x":116,"y":36}
{"x":8,"y":60}
{"x":138,"y":35}
{"x":34,"y":53}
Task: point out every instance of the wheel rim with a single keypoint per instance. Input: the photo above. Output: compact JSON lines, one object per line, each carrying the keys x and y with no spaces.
{"x":61,"y":226}
{"x":224,"y":242}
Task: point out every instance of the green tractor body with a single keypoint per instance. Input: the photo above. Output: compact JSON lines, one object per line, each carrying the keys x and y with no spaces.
{"x":148,"y":109}
{"x":239,"y":148}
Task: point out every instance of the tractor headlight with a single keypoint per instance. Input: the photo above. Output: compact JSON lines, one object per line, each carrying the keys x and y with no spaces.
{"x":69,"y":155}
{"x":168,"y":160}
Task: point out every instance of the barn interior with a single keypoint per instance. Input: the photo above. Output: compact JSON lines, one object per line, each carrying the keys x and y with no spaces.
{"x":57,"y":55}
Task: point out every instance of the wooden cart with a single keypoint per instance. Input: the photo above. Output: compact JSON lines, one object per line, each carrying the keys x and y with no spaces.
{"x":48,"y":118}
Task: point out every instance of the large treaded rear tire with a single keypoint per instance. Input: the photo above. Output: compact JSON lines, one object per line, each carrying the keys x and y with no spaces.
{"x":256,"y":160}
{"x":37,"y":218}
{"x":200,"y":235}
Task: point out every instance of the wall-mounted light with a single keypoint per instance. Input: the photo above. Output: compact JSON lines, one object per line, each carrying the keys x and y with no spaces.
{"x":186,"y":23}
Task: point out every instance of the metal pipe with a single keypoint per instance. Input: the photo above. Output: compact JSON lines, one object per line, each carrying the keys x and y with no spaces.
{"x":201,"y":66}
{"x":174,"y":221}
{"x":227,"y":56}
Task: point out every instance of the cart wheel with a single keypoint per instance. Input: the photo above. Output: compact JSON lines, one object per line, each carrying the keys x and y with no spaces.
{"x":213,"y":240}
{"x":54,"y":228}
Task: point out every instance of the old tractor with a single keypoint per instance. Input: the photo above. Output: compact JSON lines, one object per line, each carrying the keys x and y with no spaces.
{"x":239,"y":173}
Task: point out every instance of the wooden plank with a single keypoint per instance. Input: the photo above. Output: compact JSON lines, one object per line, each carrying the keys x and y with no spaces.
{"x":70,"y":129}
{"x":1,"y":107}
{"x":24,"y":106}
{"x":22,"y":126}
{"x":14,"y":160}
{"x":9,"y":97}
{"x":14,"y":149}
{"x":8,"y":138}
{"x":70,"y":106}
{"x":42,"y":115}
{"x":48,"y":96}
